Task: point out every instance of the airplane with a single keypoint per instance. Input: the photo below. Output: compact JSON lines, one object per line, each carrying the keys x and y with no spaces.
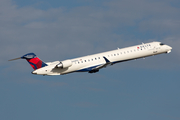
{"x":93,"y":63}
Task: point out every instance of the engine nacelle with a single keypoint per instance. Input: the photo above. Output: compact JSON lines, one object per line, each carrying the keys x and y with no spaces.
{"x":64,"y":64}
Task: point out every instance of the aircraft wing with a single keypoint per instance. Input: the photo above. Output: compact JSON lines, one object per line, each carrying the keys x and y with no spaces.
{"x":96,"y":69}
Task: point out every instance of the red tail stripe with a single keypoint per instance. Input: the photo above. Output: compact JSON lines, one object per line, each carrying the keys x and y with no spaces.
{"x":35,"y":61}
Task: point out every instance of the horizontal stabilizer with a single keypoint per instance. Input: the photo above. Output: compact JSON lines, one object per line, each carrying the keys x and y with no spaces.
{"x":15,"y":59}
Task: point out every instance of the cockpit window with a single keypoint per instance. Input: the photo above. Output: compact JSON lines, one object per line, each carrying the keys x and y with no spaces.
{"x":162,"y":44}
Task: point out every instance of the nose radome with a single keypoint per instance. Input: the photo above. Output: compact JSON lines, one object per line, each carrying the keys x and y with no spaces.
{"x":169,"y":47}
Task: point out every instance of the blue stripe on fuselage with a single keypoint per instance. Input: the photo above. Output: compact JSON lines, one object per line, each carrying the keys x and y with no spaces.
{"x":87,"y":69}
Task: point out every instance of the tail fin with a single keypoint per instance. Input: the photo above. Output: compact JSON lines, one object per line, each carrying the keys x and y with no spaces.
{"x":33,"y":60}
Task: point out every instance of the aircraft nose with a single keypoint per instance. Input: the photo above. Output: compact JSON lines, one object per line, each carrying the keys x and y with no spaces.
{"x":169,"y":47}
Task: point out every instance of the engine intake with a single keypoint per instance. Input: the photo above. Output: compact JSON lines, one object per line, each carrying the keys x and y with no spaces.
{"x":64,"y":64}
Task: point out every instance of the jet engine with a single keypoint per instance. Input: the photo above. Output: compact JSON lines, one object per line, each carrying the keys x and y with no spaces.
{"x":64,"y":64}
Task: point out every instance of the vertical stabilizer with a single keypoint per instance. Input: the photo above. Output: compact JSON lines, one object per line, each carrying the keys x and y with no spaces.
{"x":34,"y":61}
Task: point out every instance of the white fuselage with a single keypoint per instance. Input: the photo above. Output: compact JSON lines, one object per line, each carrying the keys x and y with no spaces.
{"x":96,"y":61}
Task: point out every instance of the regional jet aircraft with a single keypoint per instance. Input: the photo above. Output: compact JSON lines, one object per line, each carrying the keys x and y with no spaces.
{"x":92,"y":63}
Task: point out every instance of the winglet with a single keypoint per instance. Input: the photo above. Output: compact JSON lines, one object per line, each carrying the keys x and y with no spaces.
{"x":107,"y":61}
